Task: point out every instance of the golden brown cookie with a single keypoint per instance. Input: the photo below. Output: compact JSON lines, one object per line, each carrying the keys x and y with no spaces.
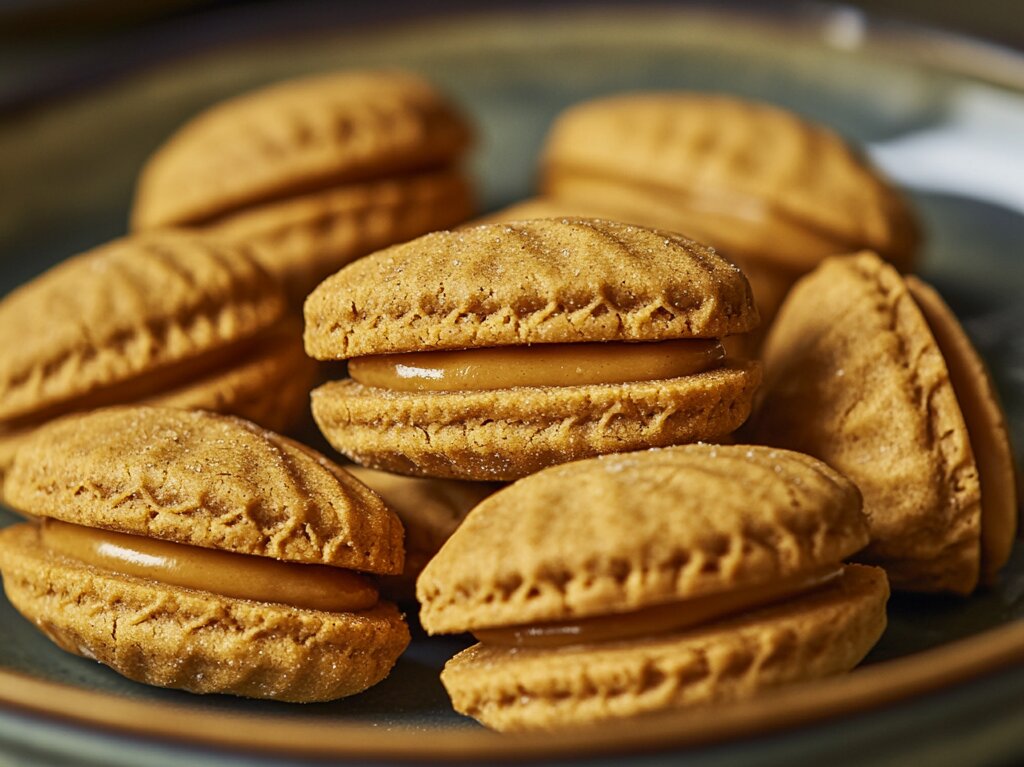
{"x":873,"y":374}
{"x":191,"y":550}
{"x":430,"y":510}
{"x":753,"y":179}
{"x":659,"y":579}
{"x":303,"y":239}
{"x":165,"y":317}
{"x":492,"y":352}
{"x":315,"y":172}
{"x":769,"y":281}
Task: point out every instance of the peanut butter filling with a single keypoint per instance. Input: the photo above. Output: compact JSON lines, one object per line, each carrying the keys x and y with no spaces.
{"x":986,"y":428}
{"x":538,"y":365}
{"x":658,"y":619}
{"x":315,"y":587}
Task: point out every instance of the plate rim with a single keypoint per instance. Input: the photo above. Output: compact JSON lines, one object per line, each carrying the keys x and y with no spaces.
{"x":882,"y":684}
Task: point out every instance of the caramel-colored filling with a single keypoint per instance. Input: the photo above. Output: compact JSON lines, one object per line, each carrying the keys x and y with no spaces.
{"x":986,"y":428}
{"x":538,"y":365}
{"x":659,"y":619}
{"x":316,"y":587}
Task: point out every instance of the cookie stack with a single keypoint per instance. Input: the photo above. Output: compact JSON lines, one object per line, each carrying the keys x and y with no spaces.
{"x":640,"y":560}
{"x":314,"y":173}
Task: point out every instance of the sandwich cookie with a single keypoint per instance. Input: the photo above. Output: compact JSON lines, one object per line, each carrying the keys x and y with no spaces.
{"x":759,"y":183}
{"x":492,"y":352}
{"x":430,"y":511}
{"x":197,"y":551}
{"x":167,"y":318}
{"x":314,"y":172}
{"x":656,"y":580}
{"x":873,"y":374}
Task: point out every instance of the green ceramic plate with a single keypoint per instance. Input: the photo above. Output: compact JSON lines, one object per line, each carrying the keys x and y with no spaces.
{"x":945,"y":116}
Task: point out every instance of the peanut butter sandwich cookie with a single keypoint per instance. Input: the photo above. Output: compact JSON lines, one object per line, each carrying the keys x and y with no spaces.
{"x":430,"y":511}
{"x":492,"y":352}
{"x":873,"y":374}
{"x":314,"y":172}
{"x":760,"y":183}
{"x":655,"y":580}
{"x":197,"y":551}
{"x":168,"y":318}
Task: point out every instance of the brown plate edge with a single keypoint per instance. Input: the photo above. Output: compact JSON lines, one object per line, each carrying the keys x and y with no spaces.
{"x":866,"y":688}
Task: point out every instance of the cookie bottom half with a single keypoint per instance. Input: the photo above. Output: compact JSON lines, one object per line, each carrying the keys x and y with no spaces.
{"x":303,"y":239}
{"x":170,"y":636}
{"x":821,"y":634}
{"x":505,"y":434}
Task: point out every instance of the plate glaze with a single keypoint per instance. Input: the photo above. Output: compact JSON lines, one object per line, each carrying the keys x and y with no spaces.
{"x":75,"y":161}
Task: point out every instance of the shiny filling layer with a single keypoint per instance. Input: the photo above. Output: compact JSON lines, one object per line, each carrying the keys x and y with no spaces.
{"x":315,"y":587}
{"x":659,"y":619}
{"x":538,"y":365}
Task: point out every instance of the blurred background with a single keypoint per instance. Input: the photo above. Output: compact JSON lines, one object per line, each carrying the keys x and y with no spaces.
{"x":48,"y":47}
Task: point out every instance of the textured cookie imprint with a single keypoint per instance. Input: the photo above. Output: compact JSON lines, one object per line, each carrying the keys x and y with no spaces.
{"x":205,"y":480}
{"x":297,"y":136}
{"x":620,"y":532}
{"x":505,"y":434}
{"x":541,"y":281}
{"x":854,"y":377}
{"x":136,"y":306}
{"x":195,"y":640}
{"x":302,"y":240}
{"x":818,"y":635}
{"x":725,"y":150}
{"x":768,"y":281}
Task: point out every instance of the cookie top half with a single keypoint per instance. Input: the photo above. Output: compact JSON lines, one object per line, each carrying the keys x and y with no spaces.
{"x":126,"y":310}
{"x":203,"y":479}
{"x":620,"y":532}
{"x":296,"y":136}
{"x":723,"y":153}
{"x":542,"y":281}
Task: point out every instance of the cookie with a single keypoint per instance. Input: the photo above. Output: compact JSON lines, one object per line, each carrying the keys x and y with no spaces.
{"x":430,"y":511}
{"x":166,"y":317}
{"x":769,"y":282}
{"x":490,"y":353}
{"x":318,"y":171}
{"x":201,"y":552}
{"x":302,"y":240}
{"x":757,"y":181}
{"x":873,"y":374}
{"x":646,"y":581}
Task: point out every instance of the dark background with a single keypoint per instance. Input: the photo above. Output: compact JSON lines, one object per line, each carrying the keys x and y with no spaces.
{"x":51,"y":47}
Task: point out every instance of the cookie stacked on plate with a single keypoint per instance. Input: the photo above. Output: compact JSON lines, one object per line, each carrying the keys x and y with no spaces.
{"x":627,"y":569}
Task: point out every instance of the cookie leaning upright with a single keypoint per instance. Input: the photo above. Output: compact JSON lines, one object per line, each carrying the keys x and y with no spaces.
{"x":315,"y":171}
{"x":661,"y":579}
{"x":197,"y":551}
{"x":872,"y":373}
{"x":492,"y":352}
{"x":166,"y":317}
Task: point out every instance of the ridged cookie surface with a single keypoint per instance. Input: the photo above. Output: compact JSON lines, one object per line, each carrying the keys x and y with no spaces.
{"x":134,"y":307}
{"x":854,"y":376}
{"x":195,"y":640}
{"x":722,"y":153}
{"x":206,"y":480}
{"x":505,"y":434}
{"x":620,"y":532}
{"x":820,"y":634}
{"x":540,"y":281}
{"x":303,"y":239}
{"x":295,"y":136}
